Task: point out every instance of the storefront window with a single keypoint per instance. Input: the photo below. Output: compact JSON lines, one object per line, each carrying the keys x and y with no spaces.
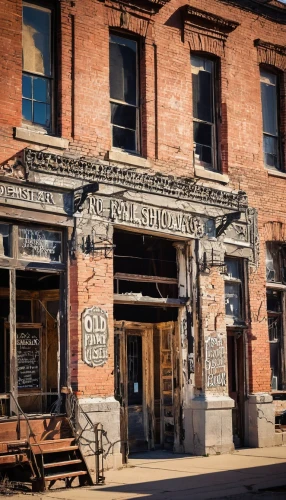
{"x":39,"y":245}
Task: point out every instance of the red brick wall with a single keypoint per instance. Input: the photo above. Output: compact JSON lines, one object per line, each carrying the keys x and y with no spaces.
{"x":91,"y":284}
{"x":84,"y":117}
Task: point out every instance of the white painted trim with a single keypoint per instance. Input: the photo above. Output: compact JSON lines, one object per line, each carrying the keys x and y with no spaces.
{"x":274,"y":173}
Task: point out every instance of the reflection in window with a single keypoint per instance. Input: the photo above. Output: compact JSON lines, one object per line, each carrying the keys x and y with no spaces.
{"x":269,"y":93}
{"x":37,"y":70}
{"x":4,"y":240}
{"x":274,"y":313}
{"x":124,"y":96}
{"x":204,"y":133}
{"x":233,"y":289}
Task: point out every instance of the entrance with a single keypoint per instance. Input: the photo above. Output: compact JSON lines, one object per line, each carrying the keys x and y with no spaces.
{"x":146,"y":383}
{"x":147,"y":348}
{"x":37,"y":341}
{"x":235,"y":353}
{"x":32,"y":351}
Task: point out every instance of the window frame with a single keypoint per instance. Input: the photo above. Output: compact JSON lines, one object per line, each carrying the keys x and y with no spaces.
{"x":278,"y":287}
{"x":44,"y":6}
{"x":215,"y":166}
{"x":138,"y":107}
{"x":237,"y":320}
{"x":275,"y":72}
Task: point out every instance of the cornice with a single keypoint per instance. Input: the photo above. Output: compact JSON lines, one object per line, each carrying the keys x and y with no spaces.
{"x":280,"y":49}
{"x":129,"y":178}
{"x":204,"y":19}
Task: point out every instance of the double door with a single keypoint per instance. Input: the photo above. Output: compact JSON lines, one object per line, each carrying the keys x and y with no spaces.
{"x":147,"y":384}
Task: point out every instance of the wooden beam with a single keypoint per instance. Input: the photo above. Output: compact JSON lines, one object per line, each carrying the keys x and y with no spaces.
{"x":142,"y":300}
{"x":145,"y":279}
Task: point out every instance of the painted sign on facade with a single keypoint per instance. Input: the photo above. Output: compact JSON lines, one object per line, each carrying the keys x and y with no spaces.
{"x":215,"y":362}
{"x":94,"y":336}
{"x":146,"y":216}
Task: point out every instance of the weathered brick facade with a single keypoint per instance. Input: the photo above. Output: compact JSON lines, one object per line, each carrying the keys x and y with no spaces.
{"x":168,"y":32}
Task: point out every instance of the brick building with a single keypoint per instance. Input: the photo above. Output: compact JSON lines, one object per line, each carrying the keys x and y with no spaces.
{"x":142,"y":220}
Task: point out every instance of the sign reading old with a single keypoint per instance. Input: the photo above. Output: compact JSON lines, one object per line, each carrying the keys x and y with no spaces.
{"x":94,"y":336}
{"x":145,"y":216}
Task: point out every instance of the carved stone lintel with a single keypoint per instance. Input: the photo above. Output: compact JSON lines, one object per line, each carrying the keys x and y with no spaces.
{"x":130,"y":178}
{"x":201,"y":18}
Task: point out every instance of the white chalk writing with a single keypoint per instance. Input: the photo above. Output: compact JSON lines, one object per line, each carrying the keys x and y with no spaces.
{"x":215,"y":362}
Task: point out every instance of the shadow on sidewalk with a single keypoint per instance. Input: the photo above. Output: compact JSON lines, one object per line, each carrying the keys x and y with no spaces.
{"x":193,"y":484}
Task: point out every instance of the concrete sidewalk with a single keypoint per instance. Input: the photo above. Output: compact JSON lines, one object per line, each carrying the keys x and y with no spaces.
{"x":161,"y":475}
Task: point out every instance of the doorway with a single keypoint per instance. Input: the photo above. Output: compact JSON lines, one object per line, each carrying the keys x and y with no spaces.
{"x":146,"y":384}
{"x":236,"y":383}
{"x":34,"y":301}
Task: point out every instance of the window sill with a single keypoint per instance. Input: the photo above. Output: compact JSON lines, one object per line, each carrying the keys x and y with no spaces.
{"x":211,"y":176}
{"x":274,"y":173}
{"x":122,"y":157}
{"x":36,"y":137}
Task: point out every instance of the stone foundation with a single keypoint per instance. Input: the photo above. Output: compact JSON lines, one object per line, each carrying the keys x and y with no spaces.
{"x":208,"y":425}
{"x":260,"y":421}
{"x":105,"y":411}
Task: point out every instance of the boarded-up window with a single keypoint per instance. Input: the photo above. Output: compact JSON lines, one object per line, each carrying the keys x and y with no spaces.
{"x":37,"y":66}
{"x":124,"y":96}
{"x":271,"y":146}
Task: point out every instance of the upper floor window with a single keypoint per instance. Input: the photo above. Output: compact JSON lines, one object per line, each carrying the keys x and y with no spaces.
{"x":204,"y":112}
{"x":275,"y":262}
{"x":124,"y":93}
{"x":37,"y":77}
{"x":271,"y":138}
{"x":233,"y":289}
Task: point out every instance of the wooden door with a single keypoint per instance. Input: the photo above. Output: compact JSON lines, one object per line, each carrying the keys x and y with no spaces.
{"x":235,"y":355}
{"x":133,"y":385}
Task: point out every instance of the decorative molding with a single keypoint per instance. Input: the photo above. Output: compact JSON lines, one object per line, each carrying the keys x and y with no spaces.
{"x":130,"y":178}
{"x":270,"y":53}
{"x":253,"y":235}
{"x":207,"y":32}
{"x":14,"y":168}
{"x":272,"y":9}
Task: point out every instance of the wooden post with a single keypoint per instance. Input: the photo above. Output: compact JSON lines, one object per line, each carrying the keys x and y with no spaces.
{"x":13,"y":343}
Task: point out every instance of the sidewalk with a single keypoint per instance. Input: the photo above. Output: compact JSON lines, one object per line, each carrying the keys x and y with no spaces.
{"x":161,"y":475}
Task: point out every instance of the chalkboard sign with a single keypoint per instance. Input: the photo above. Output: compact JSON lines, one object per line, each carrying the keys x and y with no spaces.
{"x":28,"y":356}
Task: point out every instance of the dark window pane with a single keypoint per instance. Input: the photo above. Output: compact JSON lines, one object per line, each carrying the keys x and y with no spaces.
{"x":36,"y":40}
{"x":203,"y":96}
{"x":204,"y":153}
{"x":4,"y":240}
{"x":233,"y":268}
{"x":123,"y":138}
{"x":273,"y":301}
{"x":269,"y":108}
{"x":270,"y":146}
{"x":123,"y":70}
{"x":40,"y":89}
{"x":135,"y":377}
{"x":203,"y":134}
{"x":124,"y":116}
{"x":27,"y":86}
{"x":27,"y":110}
{"x":41,"y":114}
{"x":232,"y":300}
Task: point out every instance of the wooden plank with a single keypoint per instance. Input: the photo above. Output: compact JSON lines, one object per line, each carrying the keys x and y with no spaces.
{"x":138,"y":298}
{"x":61,"y":464}
{"x":54,"y":477}
{"x":145,"y":279}
{"x":38,"y":450}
